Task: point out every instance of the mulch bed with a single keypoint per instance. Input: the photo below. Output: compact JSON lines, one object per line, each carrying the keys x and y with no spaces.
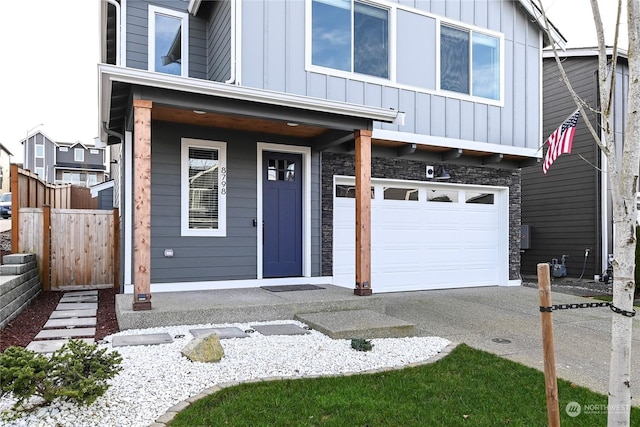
{"x":21,"y":330}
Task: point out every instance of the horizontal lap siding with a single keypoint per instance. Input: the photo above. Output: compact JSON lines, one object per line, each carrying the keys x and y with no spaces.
{"x":562,"y":206}
{"x":219,"y":42}
{"x":202,"y":258}
{"x":273,"y":58}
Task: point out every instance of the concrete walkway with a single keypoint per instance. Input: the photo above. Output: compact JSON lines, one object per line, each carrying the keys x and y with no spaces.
{"x":506,"y":321}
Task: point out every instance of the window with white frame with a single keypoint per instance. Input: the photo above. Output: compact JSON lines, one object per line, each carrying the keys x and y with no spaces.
{"x":168,"y":41}
{"x":350,"y":35}
{"x":92,"y":178}
{"x":469,"y":62}
{"x":203,"y":187}
{"x":78,"y":154}
{"x":40,"y":173}
{"x":39,"y":151}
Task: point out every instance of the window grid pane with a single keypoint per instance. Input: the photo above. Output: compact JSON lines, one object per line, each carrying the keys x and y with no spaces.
{"x":486,"y":66}
{"x":370,"y":40}
{"x":168,"y":44}
{"x":203,"y":188}
{"x":454,"y":59}
{"x":331,"y":34}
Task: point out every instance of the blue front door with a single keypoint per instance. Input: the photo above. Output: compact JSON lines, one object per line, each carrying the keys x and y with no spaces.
{"x":282,"y":214}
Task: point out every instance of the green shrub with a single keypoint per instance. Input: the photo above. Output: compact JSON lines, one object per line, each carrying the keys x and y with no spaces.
{"x":77,"y":372}
{"x":361,"y":344}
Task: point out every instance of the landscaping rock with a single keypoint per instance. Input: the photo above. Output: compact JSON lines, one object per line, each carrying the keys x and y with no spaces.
{"x":205,"y":348}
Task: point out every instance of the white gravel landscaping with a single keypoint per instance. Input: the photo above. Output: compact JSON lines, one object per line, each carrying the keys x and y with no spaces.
{"x":157,"y":377}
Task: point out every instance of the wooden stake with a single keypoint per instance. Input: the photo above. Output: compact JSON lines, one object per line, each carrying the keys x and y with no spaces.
{"x":550,"y":376}
{"x":363,"y":213}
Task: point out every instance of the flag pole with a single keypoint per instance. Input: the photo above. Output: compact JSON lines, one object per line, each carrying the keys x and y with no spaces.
{"x":550,"y":375}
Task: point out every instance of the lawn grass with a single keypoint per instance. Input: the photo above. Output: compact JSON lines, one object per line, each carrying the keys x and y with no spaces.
{"x":467,"y":388}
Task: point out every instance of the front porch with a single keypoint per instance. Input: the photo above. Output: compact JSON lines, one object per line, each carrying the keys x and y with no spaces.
{"x":240,"y":305}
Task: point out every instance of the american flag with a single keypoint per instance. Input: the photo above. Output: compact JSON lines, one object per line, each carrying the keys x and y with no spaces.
{"x":561,"y":140}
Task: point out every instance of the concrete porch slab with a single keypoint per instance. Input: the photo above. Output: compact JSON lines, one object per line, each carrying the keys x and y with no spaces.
{"x":237,"y":306}
{"x":357,"y":324}
{"x":65,"y":314}
{"x":49,"y":346}
{"x":222,"y":333}
{"x":280,"y":329}
{"x":142,"y":339}
{"x":66,"y":333}
{"x":71,"y":322}
{"x":77,"y":306}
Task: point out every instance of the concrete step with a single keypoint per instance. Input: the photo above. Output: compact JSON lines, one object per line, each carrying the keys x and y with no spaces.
{"x":67,"y":314}
{"x":66,"y":333}
{"x":49,"y":346}
{"x":72,"y":322}
{"x":15,"y":269}
{"x":18,"y":258}
{"x":357,"y":324}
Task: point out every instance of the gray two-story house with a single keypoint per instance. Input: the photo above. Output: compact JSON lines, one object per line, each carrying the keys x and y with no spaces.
{"x":372,"y":145}
{"x":62,"y":162}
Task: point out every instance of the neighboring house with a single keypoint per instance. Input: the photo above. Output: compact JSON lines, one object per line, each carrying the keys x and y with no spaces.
{"x":568,"y":210}
{"x":5,"y":162}
{"x":61,"y":162}
{"x":79,"y":164}
{"x":237,"y":123}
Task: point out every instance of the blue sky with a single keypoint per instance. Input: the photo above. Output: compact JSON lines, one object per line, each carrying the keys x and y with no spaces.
{"x":50,"y":61}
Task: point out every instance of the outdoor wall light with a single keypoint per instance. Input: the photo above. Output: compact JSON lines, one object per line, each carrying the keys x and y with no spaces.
{"x":168,"y":253}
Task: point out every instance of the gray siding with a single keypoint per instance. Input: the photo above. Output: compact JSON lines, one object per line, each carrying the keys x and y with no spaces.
{"x":105,"y":199}
{"x":273,"y":58}
{"x":212,"y":258}
{"x":91,"y":161}
{"x":219,"y":42}
{"x":562,"y":207}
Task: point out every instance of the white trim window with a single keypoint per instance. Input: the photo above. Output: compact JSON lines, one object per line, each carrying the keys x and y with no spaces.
{"x":78,"y":154}
{"x":203,"y":178}
{"x":351,"y":36}
{"x":469,"y":62}
{"x":39,"y":151}
{"x":168,"y":41}
{"x":40,"y":172}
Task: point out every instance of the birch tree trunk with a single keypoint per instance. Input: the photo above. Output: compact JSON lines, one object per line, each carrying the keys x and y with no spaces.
{"x":624,"y":187}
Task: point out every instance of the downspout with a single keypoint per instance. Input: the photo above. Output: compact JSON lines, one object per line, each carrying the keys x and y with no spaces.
{"x":112,"y":132}
{"x":232,"y":78}
{"x":117,"y":6}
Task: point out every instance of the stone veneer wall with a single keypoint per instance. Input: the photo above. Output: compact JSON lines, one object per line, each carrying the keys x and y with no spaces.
{"x":398,"y":168}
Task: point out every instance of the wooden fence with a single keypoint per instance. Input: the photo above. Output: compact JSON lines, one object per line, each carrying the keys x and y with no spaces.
{"x":75,"y":245}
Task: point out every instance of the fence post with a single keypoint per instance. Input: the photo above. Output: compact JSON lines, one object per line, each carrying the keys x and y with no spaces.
{"x":116,"y":248}
{"x":46,"y":248}
{"x":15,"y":208}
{"x":549,"y":353}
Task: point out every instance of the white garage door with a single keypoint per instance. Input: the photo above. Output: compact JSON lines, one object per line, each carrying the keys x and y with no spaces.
{"x":424,"y":235}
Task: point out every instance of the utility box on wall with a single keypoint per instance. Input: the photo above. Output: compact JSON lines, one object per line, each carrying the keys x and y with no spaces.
{"x":525,"y":237}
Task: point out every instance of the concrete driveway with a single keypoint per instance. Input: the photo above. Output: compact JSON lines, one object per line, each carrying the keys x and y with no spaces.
{"x":506,"y":321}
{"x":5,"y":224}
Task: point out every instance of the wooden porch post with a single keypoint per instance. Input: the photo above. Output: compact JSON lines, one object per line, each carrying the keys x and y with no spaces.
{"x":15,"y":208}
{"x":363,"y":213}
{"x":142,"y":204}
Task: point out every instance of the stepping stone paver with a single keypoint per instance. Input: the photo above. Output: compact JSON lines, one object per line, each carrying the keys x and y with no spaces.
{"x":72,"y":322}
{"x":79,"y":298}
{"x":77,"y":306}
{"x":66,"y":333}
{"x":49,"y":346}
{"x":142,"y":339}
{"x":65,"y":314}
{"x":222,"y":333}
{"x":74,"y":293}
{"x":280,"y":329}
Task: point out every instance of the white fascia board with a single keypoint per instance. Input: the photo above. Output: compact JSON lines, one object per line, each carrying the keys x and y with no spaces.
{"x":535,"y":12}
{"x":95,"y":189}
{"x":440,"y":141}
{"x":110,"y":73}
{"x":582,"y":51}
{"x":194,"y":6}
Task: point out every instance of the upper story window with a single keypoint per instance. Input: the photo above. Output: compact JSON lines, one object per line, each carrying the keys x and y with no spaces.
{"x":469,"y":62}
{"x":204,"y":188}
{"x":78,"y":154}
{"x":40,"y":172}
{"x":350,"y":36}
{"x":168,"y":41}
{"x":39,"y":151}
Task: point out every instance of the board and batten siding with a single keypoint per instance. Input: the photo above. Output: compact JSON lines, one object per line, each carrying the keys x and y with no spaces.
{"x":212,"y":258}
{"x":563,"y":206}
{"x":273,"y":58}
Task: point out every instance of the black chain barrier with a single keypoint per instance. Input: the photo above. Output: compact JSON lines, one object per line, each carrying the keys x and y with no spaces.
{"x":588,"y":305}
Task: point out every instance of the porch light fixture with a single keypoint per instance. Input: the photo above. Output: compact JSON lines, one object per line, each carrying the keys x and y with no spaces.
{"x":442,"y":174}
{"x":199,"y":112}
{"x":292,"y":124}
